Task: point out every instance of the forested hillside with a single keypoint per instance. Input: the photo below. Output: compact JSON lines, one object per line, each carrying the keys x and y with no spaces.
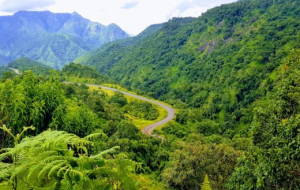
{"x":233,"y":75}
{"x":216,"y":65}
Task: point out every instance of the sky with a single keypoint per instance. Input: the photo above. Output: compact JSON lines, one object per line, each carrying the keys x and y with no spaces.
{"x":133,"y":16}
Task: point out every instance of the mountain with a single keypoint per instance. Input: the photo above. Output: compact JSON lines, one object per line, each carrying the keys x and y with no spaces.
{"x":212,"y":67}
{"x":128,"y":42}
{"x":52,"y":38}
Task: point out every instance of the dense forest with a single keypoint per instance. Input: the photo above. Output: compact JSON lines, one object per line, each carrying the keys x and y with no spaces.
{"x":233,"y":75}
{"x":212,"y":67}
{"x":76,"y":137}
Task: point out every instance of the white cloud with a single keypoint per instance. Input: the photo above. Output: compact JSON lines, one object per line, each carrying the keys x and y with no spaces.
{"x":130,"y":5}
{"x":133,"y":16}
{"x":16,"y":5}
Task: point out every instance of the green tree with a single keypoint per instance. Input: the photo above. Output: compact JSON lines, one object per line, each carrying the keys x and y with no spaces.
{"x":190,"y":162}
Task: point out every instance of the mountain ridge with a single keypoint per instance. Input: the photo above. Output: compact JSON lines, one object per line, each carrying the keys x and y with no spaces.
{"x":42,"y":35}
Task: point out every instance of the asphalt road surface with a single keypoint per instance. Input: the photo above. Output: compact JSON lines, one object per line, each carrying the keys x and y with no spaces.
{"x":147,"y":130}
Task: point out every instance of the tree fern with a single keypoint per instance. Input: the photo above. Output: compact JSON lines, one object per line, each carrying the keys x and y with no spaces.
{"x":47,"y":159}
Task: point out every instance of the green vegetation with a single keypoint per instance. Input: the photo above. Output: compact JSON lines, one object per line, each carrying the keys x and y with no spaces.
{"x":205,"y":184}
{"x":25,"y":64}
{"x":78,"y":73}
{"x":4,"y":71}
{"x":213,"y":67}
{"x":142,"y":110}
{"x":273,"y":162}
{"x":81,"y":137}
{"x":232,"y":75}
{"x":220,"y":71}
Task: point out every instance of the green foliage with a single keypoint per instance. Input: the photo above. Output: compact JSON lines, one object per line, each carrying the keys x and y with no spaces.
{"x":205,"y":185}
{"x":118,"y":98}
{"x":57,"y":160}
{"x":275,"y":131}
{"x":173,"y":128}
{"x":28,"y":100}
{"x":77,"y":119}
{"x":25,"y":64}
{"x":141,"y":109}
{"x":68,"y":159}
{"x":192,"y":161}
{"x":4,"y":70}
{"x":127,"y":130}
{"x":218,"y":63}
{"x":77,"y":70}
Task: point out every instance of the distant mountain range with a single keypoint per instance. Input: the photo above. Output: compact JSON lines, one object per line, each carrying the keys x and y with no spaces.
{"x":52,"y":38}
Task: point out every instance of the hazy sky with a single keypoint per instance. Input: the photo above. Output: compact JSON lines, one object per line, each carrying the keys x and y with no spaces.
{"x":133,"y":16}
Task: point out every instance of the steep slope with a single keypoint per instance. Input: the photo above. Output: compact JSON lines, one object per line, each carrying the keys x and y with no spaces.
{"x":220,"y":62}
{"x":52,"y":38}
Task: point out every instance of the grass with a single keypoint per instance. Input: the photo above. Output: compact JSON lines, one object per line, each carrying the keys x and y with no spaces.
{"x":141,"y":123}
{"x":108,"y":92}
{"x":119,"y":88}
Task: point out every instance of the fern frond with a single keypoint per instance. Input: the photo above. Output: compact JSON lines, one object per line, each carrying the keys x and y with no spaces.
{"x":66,"y":185}
{"x":54,"y":139}
{"x":95,"y":136}
{"x":20,"y":170}
{"x":45,"y":156}
{"x":5,"y":156}
{"x":5,"y":173}
{"x":5,"y":185}
{"x":109,"y":151}
{"x":56,"y":167}
{"x":47,"y":168}
{"x":33,"y":171}
{"x":73,"y":173}
{"x":63,"y":170}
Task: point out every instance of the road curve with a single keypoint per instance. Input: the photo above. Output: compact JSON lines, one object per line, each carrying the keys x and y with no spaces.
{"x":16,"y":71}
{"x":148,"y":129}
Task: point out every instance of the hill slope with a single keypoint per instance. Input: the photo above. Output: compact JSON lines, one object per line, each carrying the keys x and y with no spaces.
{"x":220,"y":62}
{"x":24,"y":64}
{"x":51,"y":38}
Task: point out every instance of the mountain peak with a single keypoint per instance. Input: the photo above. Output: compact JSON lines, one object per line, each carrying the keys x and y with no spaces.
{"x":75,"y":14}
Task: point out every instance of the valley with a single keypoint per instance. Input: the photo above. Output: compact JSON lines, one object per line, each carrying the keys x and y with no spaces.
{"x":148,"y":129}
{"x":192,"y":103}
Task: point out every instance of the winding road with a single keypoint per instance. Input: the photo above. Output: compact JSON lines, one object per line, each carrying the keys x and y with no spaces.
{"x":148,"y":129}
{"x":16,"y":71}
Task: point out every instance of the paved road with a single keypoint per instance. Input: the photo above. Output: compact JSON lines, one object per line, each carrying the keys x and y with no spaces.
{"x":147,"y":130}
{"x":16,"y":71}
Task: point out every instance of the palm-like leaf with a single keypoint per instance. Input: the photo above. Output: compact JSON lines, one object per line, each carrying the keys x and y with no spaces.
{"x":45,"y":159}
